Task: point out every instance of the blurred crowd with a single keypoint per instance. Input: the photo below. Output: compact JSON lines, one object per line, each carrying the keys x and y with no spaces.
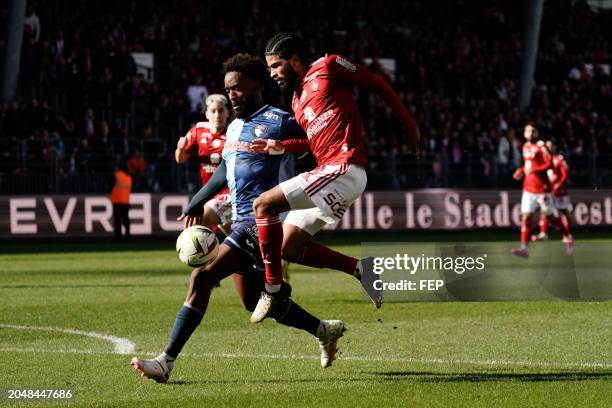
{"x":83,"y":104}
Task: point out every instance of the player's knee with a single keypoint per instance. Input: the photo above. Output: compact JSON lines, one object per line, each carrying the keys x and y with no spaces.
{"x":260,"y":206}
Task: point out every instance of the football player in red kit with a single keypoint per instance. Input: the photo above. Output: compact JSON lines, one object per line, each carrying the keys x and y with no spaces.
{"x":206,"y":140}
{"x":324,"y":107}
{"x":557,"y":175}
{"x":536,"y":188}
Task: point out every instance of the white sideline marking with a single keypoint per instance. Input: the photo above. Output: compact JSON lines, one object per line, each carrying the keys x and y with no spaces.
{"x":347,"y":358}
{"x":121,"y":345}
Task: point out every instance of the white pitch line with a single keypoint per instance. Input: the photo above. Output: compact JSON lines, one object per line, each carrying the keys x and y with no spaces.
{"x":391,"y":359}
{"x":121,"y":345}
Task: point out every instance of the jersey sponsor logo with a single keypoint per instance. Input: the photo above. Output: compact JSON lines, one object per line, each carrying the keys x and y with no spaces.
{"x":309,"y":114}
{"x":319,"y":123}
{"x":209,"y":168}
{"x":271,"y":116}
{"x":216,"y":143}
{"x":237,"y":145}
{"x":335,"y":204}
{"x":314,"y":85}
{"x":348,"y":65}
{"x":303,"y":96}
{"x":261,"y":130}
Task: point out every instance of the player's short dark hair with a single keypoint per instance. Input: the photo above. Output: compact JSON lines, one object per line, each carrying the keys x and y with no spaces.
{"x":287,"y":44}
{"x":247,"y":64}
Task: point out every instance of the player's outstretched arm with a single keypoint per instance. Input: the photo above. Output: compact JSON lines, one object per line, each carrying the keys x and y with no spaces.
{"x":359,"y":75}
{"x":541,"y":165}
{"x":518,"y":174}
{"x":181,"y":155}
{"x":195,"y":208}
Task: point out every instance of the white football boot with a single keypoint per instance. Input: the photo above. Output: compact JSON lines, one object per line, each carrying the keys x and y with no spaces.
{"x":268,"y":301}
{"x":263,"y":307}
{"x":157,"y":369}
{"x":328,"y":334}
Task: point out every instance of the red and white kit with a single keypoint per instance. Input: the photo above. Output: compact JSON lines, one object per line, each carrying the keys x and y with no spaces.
{"x":208,"y":147}
{"x":325,"y":108}
{"x":557,"y":175}
{"x":536,"y":186}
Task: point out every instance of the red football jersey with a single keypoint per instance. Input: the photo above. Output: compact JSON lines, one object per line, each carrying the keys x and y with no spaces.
{"x":558,"y":175}
{"x":208,"y":146}
{"x":324,"y":107}
{"x":536,"y":159}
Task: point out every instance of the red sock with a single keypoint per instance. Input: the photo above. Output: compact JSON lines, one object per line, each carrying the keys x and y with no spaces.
{"x":270,"y":231}
{"x":320,"y":256}
{"x":565,"y":222}
{"x":544,"y":224}
{"x":565,"y":225}
{"x":525,"y":231}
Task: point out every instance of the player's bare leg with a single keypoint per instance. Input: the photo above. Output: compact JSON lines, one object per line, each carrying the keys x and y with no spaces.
{"x":211,"y":219}
{"x":188,"y":318}
{"x":525,"y":236}
{"x":267,"y":207}
{"x":298,"y":247}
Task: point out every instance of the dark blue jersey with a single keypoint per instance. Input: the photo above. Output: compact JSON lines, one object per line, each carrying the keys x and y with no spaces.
{"x":249,"y":174}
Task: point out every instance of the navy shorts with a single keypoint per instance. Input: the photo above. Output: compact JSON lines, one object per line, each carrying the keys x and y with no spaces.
{"x":244,"y":241}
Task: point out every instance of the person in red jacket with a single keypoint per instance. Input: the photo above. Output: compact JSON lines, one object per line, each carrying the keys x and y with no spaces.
{"x":536,"y":188}
{"x":557,"y":175}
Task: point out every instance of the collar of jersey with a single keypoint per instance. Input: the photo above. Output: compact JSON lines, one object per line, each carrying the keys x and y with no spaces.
{"x":257,"y":112}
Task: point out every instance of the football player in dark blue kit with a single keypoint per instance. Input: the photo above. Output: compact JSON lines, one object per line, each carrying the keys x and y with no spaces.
{"x":248,"y":173}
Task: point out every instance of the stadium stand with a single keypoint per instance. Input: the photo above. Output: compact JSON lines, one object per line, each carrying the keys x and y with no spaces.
{"x":84,"y":104}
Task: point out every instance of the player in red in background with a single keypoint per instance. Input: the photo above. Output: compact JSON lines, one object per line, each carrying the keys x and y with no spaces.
{"x":324,"y":107}
{"x":557,"y":175}
{"x":536,"y":188}
{"x":206,"y":139}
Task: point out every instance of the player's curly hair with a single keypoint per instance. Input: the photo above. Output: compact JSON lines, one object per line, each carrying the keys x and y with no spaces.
{"x":247,"y":64}
{"x":287,"y":44}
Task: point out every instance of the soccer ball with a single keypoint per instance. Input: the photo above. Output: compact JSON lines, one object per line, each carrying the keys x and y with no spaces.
{"x":197,"y":246}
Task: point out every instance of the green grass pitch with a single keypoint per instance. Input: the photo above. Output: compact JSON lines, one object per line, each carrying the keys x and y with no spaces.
{"x":470,"y":354}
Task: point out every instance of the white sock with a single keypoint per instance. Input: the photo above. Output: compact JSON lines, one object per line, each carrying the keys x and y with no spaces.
{"x":523,"y":246}
{"x":272,"y":288}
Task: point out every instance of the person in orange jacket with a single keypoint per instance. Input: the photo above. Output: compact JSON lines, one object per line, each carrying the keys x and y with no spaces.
{"x":120,"y":197}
